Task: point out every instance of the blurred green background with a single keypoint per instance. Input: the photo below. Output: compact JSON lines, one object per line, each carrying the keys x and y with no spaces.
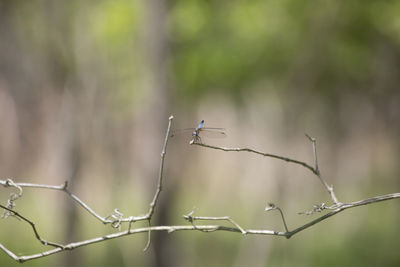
{"x":86,"y":89}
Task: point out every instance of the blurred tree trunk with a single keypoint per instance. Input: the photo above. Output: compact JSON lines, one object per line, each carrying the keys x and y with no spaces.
{"x":156,"y":53}
{"x":59,"y":29}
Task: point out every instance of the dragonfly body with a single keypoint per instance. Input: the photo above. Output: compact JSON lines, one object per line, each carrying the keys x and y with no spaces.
{"x":205,"y":131}
{"x":198,"y":129}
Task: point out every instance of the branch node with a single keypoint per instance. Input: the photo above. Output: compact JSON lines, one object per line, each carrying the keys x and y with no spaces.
{"x":64,"y":185}
{"x":131,"y":220}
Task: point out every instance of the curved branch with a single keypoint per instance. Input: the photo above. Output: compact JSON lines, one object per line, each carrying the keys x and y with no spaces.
{"x":236,"y":149}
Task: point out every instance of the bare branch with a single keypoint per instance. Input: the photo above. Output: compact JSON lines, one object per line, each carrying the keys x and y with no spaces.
{"x":10,"y":253}
{"x":160,"y":176}
{"x":271,"y":206}
{"x":191,"y":219}
{"x":148,"y":238}
{"x":169,"y":229}
{"x":314,"y":170}
{"x":314,"y":145}
{"x":44,"y":242}
{"x":343,"y":206}
{"x":159,"y":184}
{"x":64,"y":189}
{"x":203,"y":228}
{"x":318,"y":173}
{"x":233,"y":149}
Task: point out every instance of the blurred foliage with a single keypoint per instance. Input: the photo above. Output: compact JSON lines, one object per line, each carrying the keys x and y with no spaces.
{"x":233,"y":45}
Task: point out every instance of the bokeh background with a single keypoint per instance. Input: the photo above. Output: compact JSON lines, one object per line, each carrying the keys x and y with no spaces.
{"x":86,"y":89}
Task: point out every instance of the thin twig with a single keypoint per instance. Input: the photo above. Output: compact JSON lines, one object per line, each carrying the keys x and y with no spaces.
{"x":191,"y":218}
{"x":312,"y":169}
{"x":272,"y":206}
{"x":148,"y":237}
{"x":343,"y":206}
{"x":153,"y":203}
{"x":44,"y":242}
{"x":62,"y":188}
{"x":318,"y":173}
{"x":314,"y":145}
{"x":160,"y":175}
{"x":10,"y":253}
{"x":234,"y":149}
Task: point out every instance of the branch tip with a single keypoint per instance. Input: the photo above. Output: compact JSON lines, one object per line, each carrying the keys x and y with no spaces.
{"x":312,"y":139}
{"x":270,"y":206}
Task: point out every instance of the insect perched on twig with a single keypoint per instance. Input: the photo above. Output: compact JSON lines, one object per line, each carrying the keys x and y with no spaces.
{"x":210,"y":132}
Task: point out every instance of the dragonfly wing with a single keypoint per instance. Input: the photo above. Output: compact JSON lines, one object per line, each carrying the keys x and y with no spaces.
{"x":182,"y":131}
{"x":213,"y":132}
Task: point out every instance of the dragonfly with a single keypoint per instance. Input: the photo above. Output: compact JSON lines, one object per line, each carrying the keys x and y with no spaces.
{"x":205,"y":131}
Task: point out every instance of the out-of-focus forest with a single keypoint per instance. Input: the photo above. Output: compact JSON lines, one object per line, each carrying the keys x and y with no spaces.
{"x":86,"y":89}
